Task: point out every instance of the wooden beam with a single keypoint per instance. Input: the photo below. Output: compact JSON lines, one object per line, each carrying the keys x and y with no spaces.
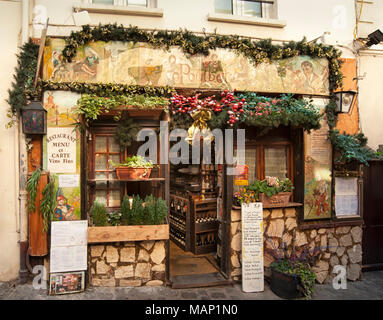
{"x":128,"y":233}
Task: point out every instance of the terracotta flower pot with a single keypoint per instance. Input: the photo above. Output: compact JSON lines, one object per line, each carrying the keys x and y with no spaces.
{"x":126,"y":173}
{"x":281,"y":198}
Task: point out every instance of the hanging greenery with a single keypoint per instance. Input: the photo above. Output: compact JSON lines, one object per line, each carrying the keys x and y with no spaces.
{"x":351,"y":147}
{"x":126,"y":133}
{"x":22,"y":87}
{"x":91,"y":105}
{"x":248,"y":109}
{"x":192,"y":44}
{"x":107,"y":89}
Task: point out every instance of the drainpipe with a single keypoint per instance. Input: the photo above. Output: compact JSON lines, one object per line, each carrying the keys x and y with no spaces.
{"x":23,"y":165}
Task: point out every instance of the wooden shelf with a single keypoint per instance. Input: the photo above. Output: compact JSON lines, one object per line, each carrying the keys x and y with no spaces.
{"x":128,"y":180}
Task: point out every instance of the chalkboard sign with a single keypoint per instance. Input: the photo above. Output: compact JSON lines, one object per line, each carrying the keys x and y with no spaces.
{"x":252,"y":247}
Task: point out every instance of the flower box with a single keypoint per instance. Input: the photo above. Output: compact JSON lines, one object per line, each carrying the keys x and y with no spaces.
{"x":128,"y":233}
{"x":128,"y":173}
{"x":285,"y":285}
{"x":279,"y":199}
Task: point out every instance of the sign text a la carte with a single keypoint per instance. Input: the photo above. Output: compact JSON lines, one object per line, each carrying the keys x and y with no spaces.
{"x":61,"y":150}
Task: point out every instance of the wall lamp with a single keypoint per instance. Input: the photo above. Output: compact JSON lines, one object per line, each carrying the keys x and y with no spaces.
{"x":345,"y":101}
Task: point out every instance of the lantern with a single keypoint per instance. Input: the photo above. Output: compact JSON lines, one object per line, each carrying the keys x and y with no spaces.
{"x":34,"y":118}
{"x":345,"y":101}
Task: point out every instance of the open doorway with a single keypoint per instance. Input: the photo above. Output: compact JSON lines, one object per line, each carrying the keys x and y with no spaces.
{"x":195,"y":235}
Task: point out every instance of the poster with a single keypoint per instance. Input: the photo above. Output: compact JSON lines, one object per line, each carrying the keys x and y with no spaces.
{"x":318,"y":166}
{"x":63,"y":283}
{"x":241,"y":175}
{"x":139,"y":64}
{"x":61,"y":150}
{"x":62,"y":155}
{"x":68,"y":246}
{"x":252,"y":247}
{"x":346,"y":197}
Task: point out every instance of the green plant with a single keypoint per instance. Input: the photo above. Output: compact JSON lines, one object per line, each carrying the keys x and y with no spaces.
{"x":351,"y":147}
{"x":48,"y":203}
{"x":161,"y":211}
{"x":98,"y":214}
{"x":137,"y":212}
{"x":114,"y":218}
{"x":134,"y":162}
{"x":126,"y":133}
{"x":32,"y":189}
{"x":126,"y":214}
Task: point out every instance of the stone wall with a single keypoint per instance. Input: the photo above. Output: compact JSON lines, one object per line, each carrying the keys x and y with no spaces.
{"x":127,"y":264}
{"x":336,"y":246}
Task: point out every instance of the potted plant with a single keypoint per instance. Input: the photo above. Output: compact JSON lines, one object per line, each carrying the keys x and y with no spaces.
{"x":271,"y":191}
{"x":291,"y":275}
{"x":133,"y":168}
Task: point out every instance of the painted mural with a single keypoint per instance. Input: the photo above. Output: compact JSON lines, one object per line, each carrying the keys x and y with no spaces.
{"x":62,"y":152}
{"x":139,"y":64}
{"x":318,"y":165}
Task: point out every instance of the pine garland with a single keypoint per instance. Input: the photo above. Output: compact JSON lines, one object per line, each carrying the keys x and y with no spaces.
{"x":22,"y":88}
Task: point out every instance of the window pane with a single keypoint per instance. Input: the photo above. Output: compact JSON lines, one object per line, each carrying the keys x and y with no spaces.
{"x":276,"y":162}
{"x":223,"y":6}
{"x":114,"y":198}
{"x":115,"y":158}
{"x":100,"y":144}
{"x":113,"y":145}
{"x":101,"y":161}
{"x":100,"y":175}
{"x":253,"y":9}
{"x":136,"y":3}
{"x":103,"y":1}
{"x":101,"y":196}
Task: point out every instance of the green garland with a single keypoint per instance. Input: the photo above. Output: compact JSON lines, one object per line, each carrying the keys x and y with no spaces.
{"x":191,"y":44}
{"x":351,"y":147}
{"x":22,"y":88}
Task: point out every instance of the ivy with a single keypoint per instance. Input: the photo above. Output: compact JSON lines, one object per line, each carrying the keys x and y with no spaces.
{"x":351,"y":147}
{"x":22,"y":87}
{"x":126,"y":133}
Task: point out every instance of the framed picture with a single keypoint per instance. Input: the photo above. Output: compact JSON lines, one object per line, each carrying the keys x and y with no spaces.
{"x":68,"y":282}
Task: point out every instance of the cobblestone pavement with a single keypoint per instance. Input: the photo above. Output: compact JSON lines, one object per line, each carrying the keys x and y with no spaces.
{"x":370,"y":288}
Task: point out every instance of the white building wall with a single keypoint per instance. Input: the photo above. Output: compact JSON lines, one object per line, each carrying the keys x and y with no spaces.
{"x":9,"y":248}
{"x":370,"y":71}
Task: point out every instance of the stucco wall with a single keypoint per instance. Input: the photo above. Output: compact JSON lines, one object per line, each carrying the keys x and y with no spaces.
{"x":9,"y":248}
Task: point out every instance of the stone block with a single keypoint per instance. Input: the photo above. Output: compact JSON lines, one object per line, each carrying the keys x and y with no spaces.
{"x":334,"y":260}
{"x":111,"y":254}
{"x":344,"y":260}
{"x":342,"y":230}
{"x":357,"y":233}
{"x":143,"y":255}
{"x":286,"y":239}
{"x":290,"y":223}
{"x":345,"y":240}
{"x":313,"y":234}
{"x":353,"y":272}
{"x":142,"y":270}
{"x":290,"y":212}
{"x":124,"y":272}
{"x":300,"y":239}
{"x":102,"y":267}
{"x":322,"y":231}
{"x":159,"y":267}
{"x":235,"y":261}
{"x":355,"y":253}
{"x":128,"y":254}
{"x":159,"y":276}
{"x":323,"y":242}
{"x":96,"y":251}
{"x":154,"y":283}
{"x":276,"y":228}
{"x":236,"y":242}
{"x":266,"y":213}
{"x":236,"y":272}
{"x":276,"y":213}
{"x":234,"y":227}
{"x":340,"y":251}
{"x":158,"y":253}
{"x":321,"y":270}
{"x":235,"y":215}
{"x":130,"y":283}
{"x":147,"y":245}
{"x":104,"y":282}
{"x":332,"y":245}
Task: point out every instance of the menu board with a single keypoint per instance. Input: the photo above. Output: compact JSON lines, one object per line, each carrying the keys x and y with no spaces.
{"x":346,"y":197}
{"x":68,"y":246}
{"x":252,"y":247}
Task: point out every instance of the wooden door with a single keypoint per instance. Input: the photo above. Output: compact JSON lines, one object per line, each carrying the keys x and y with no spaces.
{"x":373,"y":216}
